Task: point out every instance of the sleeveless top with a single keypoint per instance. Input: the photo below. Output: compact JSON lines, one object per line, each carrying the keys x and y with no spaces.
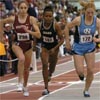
{"x":83,"y":39}
{"x":84,"y":33}
{"x":22,"y":36}
{"x":49,"y":37}
{"x":23,"y":39}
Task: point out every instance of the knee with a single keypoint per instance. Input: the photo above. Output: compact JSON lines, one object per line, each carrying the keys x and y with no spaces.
{"x":45,"y":66}
{"x":21,"y":59}
{"x":26,"y":69}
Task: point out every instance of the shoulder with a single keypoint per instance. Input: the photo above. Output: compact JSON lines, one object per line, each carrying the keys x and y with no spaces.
{"x":75,"y":22}
{"x":98,"y":22}
{"x":33,"y":20}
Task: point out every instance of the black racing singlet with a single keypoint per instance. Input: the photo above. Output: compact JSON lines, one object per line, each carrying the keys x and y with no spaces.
{"x":49,"y":37}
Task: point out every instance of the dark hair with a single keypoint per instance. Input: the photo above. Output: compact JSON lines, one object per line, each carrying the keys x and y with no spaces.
{"x":48,"y":8}
{"x":23,"y":2}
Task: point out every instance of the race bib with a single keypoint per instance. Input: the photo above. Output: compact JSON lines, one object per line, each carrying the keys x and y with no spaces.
{"x":48,"y":39}
{"x":23,"y":36}
{"x":85,"y":38}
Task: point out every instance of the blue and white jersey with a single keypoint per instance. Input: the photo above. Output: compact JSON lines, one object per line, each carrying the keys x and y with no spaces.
{"x":83,"y":39}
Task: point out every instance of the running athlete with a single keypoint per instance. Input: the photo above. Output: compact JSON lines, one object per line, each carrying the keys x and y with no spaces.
{"x":22,"y":46}
{"x":83,"y":46}
{"x":51,"y":39}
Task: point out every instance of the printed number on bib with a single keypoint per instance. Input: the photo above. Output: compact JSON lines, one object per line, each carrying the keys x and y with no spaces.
{"x":23,"y":36}
{"x":48,"y":39}
{"x":86,"y":38}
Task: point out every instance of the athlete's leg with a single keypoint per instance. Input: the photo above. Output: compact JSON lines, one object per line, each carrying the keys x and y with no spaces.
{"x":44,"y":59}
{"x":79,"y":65}
{"x":28,"y":55}
{"x":52,"y":62}
{"x":90,"y":61}
{"x":21,"y":59}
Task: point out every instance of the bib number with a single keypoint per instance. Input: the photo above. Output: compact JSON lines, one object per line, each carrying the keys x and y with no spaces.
{"x":86,"y":38}
{"x":48,"y":39}
{"x":22,"y":36}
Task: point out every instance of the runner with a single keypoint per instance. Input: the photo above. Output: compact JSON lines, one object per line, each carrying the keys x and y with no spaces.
{"x":51,"y":34}
{"x":84,"y":47}
{"x":22,"y":46}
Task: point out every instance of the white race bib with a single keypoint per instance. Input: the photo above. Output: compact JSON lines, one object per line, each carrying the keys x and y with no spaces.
{"x":23,"y":36}
{"x":48,"y":39}
{"x":85,"y":38}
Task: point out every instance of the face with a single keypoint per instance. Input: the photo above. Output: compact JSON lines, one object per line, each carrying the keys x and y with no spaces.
{"x":48,"y":16}
{"x":23,"y":8}
{"x":89,"y":12}
{"x":8,"y":28}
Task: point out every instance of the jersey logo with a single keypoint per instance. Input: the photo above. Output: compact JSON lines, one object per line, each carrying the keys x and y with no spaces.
{"x":87,"y":31}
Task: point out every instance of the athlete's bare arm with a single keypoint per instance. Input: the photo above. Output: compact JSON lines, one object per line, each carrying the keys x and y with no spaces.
{"x":35,"y":32}
{"x":60,"y":35}
{"x":75,"y":22}
{"x":98,"y":29}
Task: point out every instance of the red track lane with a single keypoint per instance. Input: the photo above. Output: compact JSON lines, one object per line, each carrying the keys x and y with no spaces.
{"x":36,"y":90}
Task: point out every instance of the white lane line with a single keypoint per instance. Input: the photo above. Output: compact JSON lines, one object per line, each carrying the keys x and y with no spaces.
{"x":41,"y":70}
{"x":35,"y":72}
{"x":35,"y":82}
{"x":42,"y":80}
{"x":63,"y":88}
{"x":52,"y":77}
{"x":70,"y":84}
{"x":7,"y":84}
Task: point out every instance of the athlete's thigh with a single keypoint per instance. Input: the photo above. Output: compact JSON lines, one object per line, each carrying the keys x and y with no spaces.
{"x":28,"y":56}
{"x":90,"y":59}
{"x":44,"y":55}
{"x":78,"y":61}
{"x":53,"y":57}
{"x":18,"y":51}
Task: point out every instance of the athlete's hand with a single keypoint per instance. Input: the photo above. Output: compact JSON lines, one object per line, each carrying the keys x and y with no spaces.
{"x":68,"y":47}
{"x":25,"y":28}
{"x":96,"y":39}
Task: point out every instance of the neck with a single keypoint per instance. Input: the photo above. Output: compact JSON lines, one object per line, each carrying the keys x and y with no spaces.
{"x":88,"y":18}
{"x":46,"y":24}
{"x":22,"y":15}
